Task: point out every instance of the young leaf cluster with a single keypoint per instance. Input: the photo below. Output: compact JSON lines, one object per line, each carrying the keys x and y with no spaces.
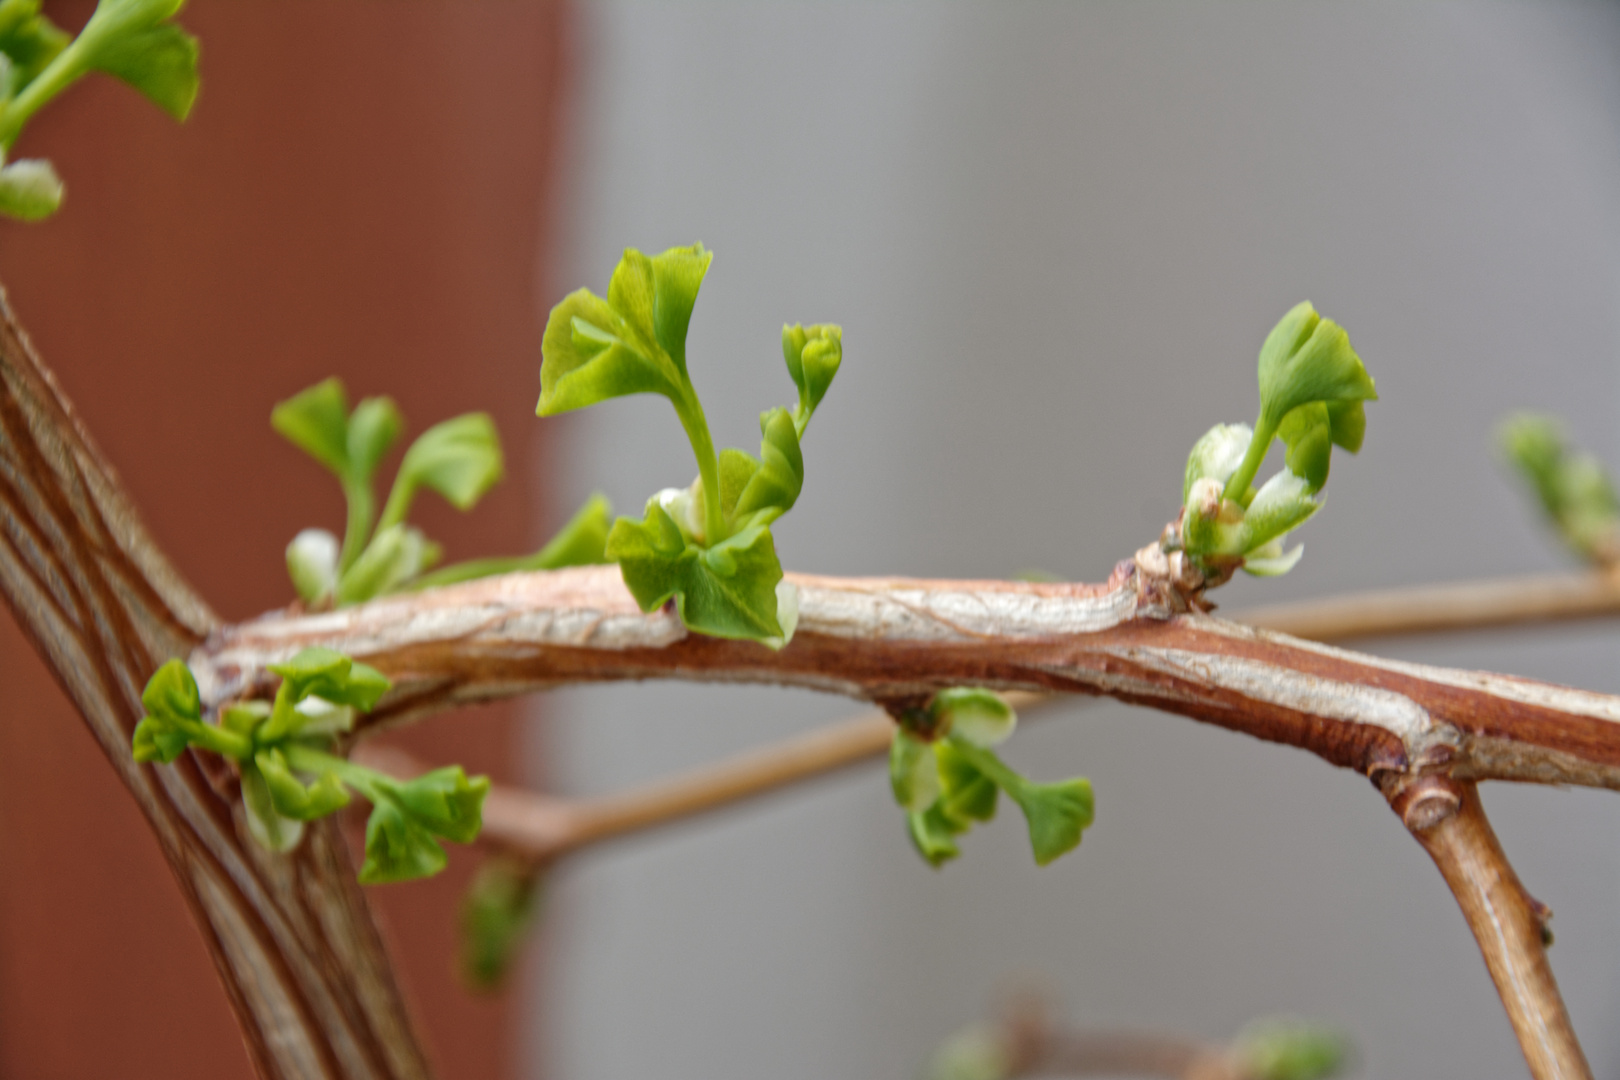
{"x":129,"y":39}
{"x":1312,"y":390}
{"x":946,"y":777}
{"x":1574,"y":489}
{"x":708,"y":546}
{"x":289,"y":775}
{"x":459,"y":458}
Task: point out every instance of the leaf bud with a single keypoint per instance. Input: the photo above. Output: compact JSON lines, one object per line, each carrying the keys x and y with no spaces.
{"x":913,"y":772}
{"x":813,"y":355}
{"x":974,"y":715}
{"x":312,"y":563}
{"x":30,"y":189}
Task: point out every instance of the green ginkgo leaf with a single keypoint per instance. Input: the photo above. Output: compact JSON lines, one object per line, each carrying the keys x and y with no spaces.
{"x":320,"y":672}
{"x":396,"y":556}
{"x":446,"y":802}
{"x":967,"y":795}
{"x":760,"y":490}
{"x":460,"y":458}
{"x":633,"y":342}
{"x":934,"y":835}
{"x":373,"y":428}
{"x":724,"y":590}
{"x":273,"y":830}
{"x":913,"y":771}
{"x":316,"y":421}
{"x":813,"y":355}
{"x":1307,"y":358}
{"x":1057,"y":814}
{"x":29,"y":40}
{"x":291,"y":797}
{"x":398,"y":848}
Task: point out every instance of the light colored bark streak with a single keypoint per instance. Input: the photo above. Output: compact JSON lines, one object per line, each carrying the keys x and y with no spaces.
{"x":315,"y":997}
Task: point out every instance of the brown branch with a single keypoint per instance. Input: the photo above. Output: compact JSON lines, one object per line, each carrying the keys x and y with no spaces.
{"x":542,"y":828}
{"x":291,"y":936}
{"x":892,"y":640}
{"x":1023,"y":1042}
{"x":1462,"y":605}
{"x":1510,"y":926}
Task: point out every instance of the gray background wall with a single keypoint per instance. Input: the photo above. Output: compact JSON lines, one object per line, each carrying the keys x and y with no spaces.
{"x":1055,"y":236}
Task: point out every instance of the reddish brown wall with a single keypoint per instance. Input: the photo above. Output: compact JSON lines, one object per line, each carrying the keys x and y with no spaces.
{"x":359,"y":192}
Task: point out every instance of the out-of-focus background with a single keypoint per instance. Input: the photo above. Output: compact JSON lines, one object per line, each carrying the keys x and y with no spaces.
{"x":1055,"y":236}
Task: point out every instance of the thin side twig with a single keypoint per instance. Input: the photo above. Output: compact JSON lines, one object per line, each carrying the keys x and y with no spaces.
{"x":1455,"y":606}
{"x":1447,"y":818}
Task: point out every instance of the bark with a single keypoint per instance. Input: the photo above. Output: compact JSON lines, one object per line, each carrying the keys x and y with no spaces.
{"x":1509,"y":925}
{"x":291,"y":936}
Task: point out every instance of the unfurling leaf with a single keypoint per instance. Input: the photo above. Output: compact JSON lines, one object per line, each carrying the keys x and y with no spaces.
{"x":1313,"y":388}
{"x":459,"y":458}
{"x":634,"y":342}
{"x":446,"y":802}
{"x":726,"y":590}
{"x":1305,"y":359}
{"x":397,"y":848}
{"x":171,"y":693}
{"x":813,"y":355}
{"x":913,"y":771}
{"x":294,"y":799}
{"x":157,"y":740}
{"x":967,"y":794}
{"x":173,"y":720}
{"x":333,"y":677}
{"x":580,"y":542}
{"x":934,"y":835}
{"x":273,"y":830}
{"x":496,"y":913}
{"x":395,"y":557}
{"x":757,"y":491}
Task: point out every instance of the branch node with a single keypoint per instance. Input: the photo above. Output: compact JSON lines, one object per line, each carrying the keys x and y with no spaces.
{"x":1426,"y":802}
